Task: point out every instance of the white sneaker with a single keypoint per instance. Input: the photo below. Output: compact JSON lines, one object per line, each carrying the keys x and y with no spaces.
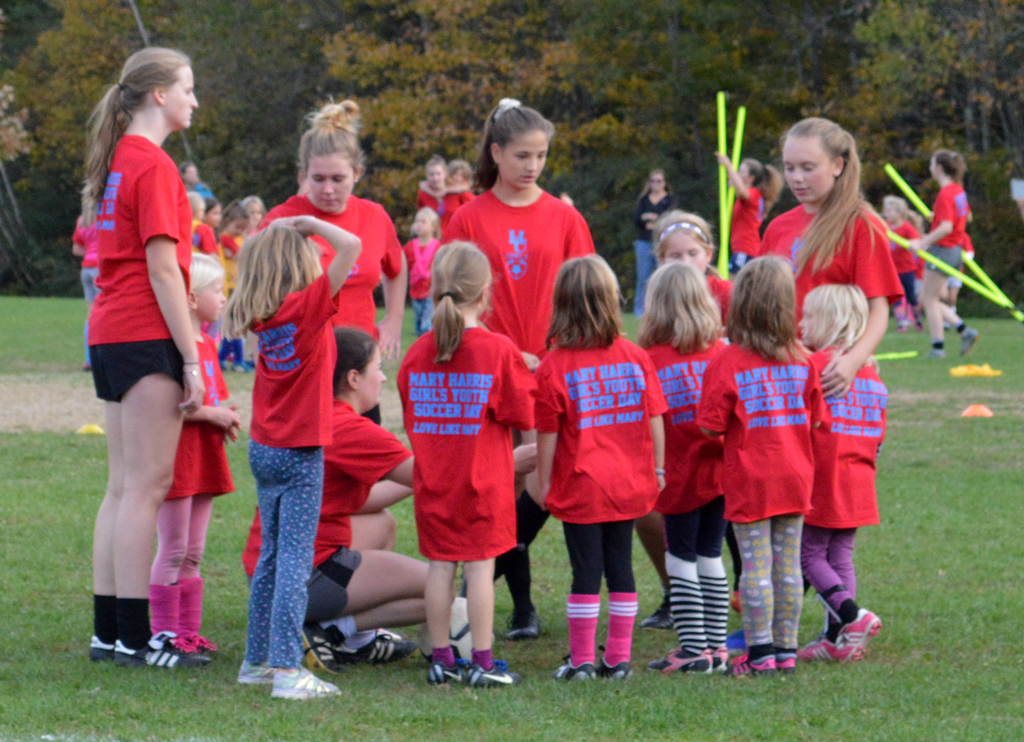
{"x":301,"y":685}
{"x":250,"y":674}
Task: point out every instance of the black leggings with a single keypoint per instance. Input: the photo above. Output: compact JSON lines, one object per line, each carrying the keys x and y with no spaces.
{"x":696,"y":533}
{"x":597,"y":549}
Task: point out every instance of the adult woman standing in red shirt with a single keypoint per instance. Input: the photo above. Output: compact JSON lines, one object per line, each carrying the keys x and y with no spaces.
{"x":144,"y":354}
{"x":526,"y":234}
{"x":331,"y":162}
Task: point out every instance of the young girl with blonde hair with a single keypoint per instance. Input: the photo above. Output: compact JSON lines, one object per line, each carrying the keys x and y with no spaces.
{"x":833,"y":236}
{"x":687,"y":237}
{"x":600,"y":457}
{"x":142,"y":349}
{"x":843,"y":499}
{"x":284,"y":296}
{"x":764,"y":397}
{"x":757,"y":189}
{"x":464,"y":389}
{"x":201,"y":473}
{"x":419,"y":255}
{"x":905,"y":223}
{"x":681,"y":332}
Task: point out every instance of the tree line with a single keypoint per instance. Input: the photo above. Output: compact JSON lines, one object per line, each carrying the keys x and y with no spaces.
{"x":630,"y":85}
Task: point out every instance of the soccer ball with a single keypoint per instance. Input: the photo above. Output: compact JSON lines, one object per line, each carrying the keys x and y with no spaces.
{"x":458,"y":633}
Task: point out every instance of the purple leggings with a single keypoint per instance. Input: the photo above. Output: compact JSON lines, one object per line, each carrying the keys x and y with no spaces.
{"x":826,"y":555}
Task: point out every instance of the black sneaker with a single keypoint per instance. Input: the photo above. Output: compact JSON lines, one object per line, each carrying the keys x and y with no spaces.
{"x":523,"y":625}
{"x":386,"y":646}
{"x":100,"y":652}
{"x":495,"y":677}
{"x":566,"y":671}
{"x":660,"y":619}
{"x":159,"y":652}
{"x":620,"y":671}
{"x":440,"y":674}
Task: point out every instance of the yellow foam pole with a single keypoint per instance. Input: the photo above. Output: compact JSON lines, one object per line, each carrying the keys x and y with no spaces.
{"x":737,"y":148}
{"x":984,"y":276}
{"x":908,"y":191}
{"x":723,"y":221}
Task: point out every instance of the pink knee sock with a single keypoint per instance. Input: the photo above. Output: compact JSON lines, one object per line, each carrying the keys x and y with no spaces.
{"x":191,"y":612}
{"x":582,"y":611}
{"x":622,"y":609}
{"x":164,"y":606}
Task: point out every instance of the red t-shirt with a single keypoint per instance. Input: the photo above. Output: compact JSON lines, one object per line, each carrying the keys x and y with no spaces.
{"x":445,"y":209}
{"x":291,"y":397}
{"x":419,"y":259}
{"x":905,"y":260}
{"x":693,"y":462}
{"x":766,"y":409}
{"x":951,"y":206}
{"x":361,"y":453}
{"x":381,"y":253}
{"x":203,"y":239}
{"x":721,"y":292}
{"x":459,"y":416}
{"x":600,"y":401}
{"x":526,"y":246}
{"x":845,"y":450}
{"x":747,"y":216}
{"x":862,"y":260}
{"x":201,"y":463}
{"x":231,"y":246}
{"x":144,"y":198}
{"x":88,"y":237}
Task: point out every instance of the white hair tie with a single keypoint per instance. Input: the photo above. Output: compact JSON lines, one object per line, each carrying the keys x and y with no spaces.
{"x":685,"y":225}
{"x":504,"y":105}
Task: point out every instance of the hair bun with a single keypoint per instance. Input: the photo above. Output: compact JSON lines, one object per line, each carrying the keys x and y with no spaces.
{"x":344,"y":116}
{"x":506,"y":104}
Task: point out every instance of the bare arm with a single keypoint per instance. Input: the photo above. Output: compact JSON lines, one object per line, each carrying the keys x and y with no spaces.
{"x":346,"y":245}
{"x":734,"y":177}
{"x":923,"y":243}
{"x":384,"y":495}
{"x":390,"y":327}
{"x":401,"y":474}
{"x":169,"y":286}
{"x":658,"y":436}
{"x":225,"y":418}
{"x":838,"y":374}
{"x":546,"y":443}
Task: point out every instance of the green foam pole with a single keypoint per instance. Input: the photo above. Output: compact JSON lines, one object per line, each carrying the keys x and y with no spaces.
{"x":895,"y":356}
{"x":908,"y":191}
{"x":983,"y":276}
{"x":737,"y":149}
{"x":723,"y":222}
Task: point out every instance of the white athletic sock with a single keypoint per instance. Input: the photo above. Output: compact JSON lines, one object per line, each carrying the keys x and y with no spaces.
{"x":346,"y":625}
{"x":686,"y":604}
{"x":360,"y":639}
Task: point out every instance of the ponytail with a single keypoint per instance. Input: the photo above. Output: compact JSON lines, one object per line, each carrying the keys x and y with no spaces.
{"x":952,"y":164}
{"x":459,"y":276}
{"x":837,"y":216}
{"x":509,"y":120}
{"x":767,"y":179}
{"x":144,"y":71}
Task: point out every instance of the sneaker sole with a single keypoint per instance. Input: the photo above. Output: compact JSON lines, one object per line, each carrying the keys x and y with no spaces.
{"x":101,"y":655}
{"x":290,"y":695}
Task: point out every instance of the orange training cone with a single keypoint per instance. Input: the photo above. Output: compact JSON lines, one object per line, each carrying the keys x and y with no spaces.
{"x":977,"y":410}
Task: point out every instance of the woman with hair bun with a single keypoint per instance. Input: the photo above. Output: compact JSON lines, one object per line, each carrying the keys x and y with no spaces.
{"x":330,"y":163}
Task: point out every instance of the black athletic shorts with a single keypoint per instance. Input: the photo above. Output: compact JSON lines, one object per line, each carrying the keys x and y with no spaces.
{"x":327,"y":585}
{"x":117,"y":367}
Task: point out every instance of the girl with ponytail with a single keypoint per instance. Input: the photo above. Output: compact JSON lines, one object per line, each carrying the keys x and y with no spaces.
{"x":331,"y":162}
{"x":463,"y":390}
{"x":143,"y":350}
{"x":526,"y":234}
{"x":833,"y":236}
{"x":757,"y":189}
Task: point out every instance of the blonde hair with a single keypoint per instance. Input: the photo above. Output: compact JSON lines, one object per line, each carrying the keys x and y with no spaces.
{"x":249,"y":201}
{"x":506,"y":122}
{"x":198,"y":204}
{"x":679,"y":310}
{"x":694,"y":225}
{"x":144,"y":72}
{"x":843,"y":206}
{"x":204,"y":272}
{"x":271,"y":264}
{"x":586,"y":305}
{"x":762,"y":314}
{"x":459,"y":275}
{"x":460,"y":166}
{"x":434,"y":219}
{"x":436,"y":160}
{"x":835,"y":314}
{"x":903,"y":207}
{"x":333,"y":130}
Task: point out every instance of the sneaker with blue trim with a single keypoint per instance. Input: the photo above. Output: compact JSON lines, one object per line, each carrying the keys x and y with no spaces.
{"x":496,"y":677}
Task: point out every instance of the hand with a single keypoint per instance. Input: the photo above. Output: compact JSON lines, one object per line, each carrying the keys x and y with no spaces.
{"x":531,"y":361}
{"x":227,"y":419}
{"x":837,"y":378}
{"x":723,"y":160}
{"x":649,"y":216}
{"x":194,"y":390}
{"x":390,"y":331}
{"x":525,"y":458}
{"x":914,"y":244}
{"x":541,"y":498}
{"x":303,"y":224}
{"x":661,"y":482}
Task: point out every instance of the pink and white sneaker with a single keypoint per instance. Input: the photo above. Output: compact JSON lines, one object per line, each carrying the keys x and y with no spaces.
{"x":742,"y":666}
{"x":822,"y":650}
{"x":719,"y":659}
{"x":857,"y":633}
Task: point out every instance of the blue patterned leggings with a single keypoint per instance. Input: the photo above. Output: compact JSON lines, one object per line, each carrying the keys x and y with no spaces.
{"x":289,"y":486}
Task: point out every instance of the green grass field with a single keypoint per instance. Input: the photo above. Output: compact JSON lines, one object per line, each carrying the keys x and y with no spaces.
{"x":943,"y":571}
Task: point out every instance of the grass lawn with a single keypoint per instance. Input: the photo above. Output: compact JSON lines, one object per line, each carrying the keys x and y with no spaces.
{"x":943,"y":571}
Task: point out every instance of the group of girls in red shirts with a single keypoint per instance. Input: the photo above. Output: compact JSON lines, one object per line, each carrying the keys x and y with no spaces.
{"x":699,"y":431}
